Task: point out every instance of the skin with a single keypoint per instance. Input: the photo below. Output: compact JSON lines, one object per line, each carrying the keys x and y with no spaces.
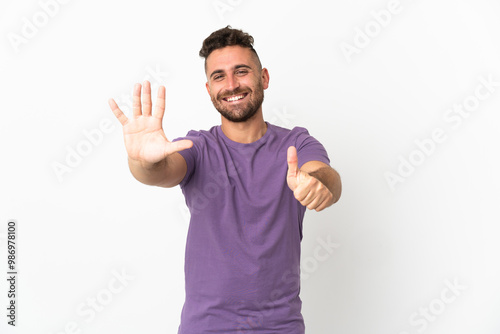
{"x":236,"y":69}
{"x":152,"y":158}
{"x":231,"y":71}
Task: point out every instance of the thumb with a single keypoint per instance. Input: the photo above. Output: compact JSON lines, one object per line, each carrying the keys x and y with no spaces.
{"x":179,"y":145}
{"x":293,"y":167}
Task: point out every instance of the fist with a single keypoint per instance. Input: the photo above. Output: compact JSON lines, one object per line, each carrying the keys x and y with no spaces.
{"x":307,"y":189}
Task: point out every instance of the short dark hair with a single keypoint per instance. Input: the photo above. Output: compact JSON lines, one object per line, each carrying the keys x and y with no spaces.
{"x":227,"y":37}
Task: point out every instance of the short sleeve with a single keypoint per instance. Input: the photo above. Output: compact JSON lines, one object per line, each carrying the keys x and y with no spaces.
{"x":190,"y":155}
{"x":309,"y":148}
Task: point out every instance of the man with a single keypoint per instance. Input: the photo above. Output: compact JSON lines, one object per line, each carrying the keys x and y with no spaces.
{"x":247,"y":184}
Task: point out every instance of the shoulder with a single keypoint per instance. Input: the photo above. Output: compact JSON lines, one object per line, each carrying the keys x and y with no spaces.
{"x":203,"y":133}
{"x":286,"y":132}
{"x":201,"y":136}
{"x":295,"y":136}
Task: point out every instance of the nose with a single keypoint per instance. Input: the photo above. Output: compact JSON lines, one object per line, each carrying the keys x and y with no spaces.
{"x":232,"y":82}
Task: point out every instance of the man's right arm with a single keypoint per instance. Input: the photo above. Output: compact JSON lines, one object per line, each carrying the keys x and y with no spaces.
{"x":152,"y":158}
{"x":166,"y":173}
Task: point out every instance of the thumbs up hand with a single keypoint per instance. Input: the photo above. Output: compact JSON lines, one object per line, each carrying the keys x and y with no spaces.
{"x":307,"y":189}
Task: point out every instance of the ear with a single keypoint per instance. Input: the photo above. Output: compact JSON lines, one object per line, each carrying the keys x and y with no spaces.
{"x":265,"y":78}
{"x":208,"y":88}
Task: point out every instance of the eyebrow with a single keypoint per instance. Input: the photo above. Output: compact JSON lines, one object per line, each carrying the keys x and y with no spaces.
{"x":235,"y":68}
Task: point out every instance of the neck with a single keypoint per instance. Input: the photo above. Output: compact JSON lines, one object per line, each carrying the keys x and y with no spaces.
{"x":245,"y":132}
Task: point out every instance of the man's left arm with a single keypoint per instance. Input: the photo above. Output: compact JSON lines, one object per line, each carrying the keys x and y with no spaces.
{"x":315,"y":185}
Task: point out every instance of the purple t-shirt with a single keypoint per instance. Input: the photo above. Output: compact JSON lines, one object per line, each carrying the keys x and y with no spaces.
{"x":242,"y":262}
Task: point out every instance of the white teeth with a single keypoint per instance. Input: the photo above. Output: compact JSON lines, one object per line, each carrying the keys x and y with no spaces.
{"x":235,"y":98}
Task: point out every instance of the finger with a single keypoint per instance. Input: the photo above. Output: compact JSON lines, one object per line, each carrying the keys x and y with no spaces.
{"x":314,"y":202}
{"x":180,"y":145}
{"x":293,"y":167}
{"x":136,"y":100}
{"x":146,"y":97}
{"x":301,"y":193}
{"x":322,"y":205}
{"x":118,"y":113}
{"x":310,"y":199}
{"x":160,"y":103}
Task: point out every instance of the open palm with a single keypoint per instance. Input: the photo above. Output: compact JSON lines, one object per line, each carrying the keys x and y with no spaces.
{"x":143,"y":133}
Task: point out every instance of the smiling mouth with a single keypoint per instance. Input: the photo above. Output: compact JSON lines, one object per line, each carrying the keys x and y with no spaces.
{"x":235,"y":98}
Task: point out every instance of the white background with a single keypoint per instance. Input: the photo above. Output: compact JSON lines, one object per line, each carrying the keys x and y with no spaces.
{"x":398,"y":247}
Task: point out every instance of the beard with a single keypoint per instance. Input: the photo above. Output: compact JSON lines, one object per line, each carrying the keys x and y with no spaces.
{"x":242,"y":111}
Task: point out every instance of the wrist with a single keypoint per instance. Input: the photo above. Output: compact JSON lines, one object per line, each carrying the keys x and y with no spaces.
{"x":145,"y":164}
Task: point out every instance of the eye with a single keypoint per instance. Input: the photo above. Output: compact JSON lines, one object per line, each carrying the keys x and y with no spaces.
{"x":217,"y":77}
{"x":241,"y":72}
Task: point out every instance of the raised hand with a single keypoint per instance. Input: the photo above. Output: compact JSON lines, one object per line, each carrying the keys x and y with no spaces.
{"x":307,"y":189}
{"x":144,"y":137}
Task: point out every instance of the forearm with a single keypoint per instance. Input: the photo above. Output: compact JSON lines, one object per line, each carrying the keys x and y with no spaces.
{"x":331,"y":179}
{"x":150,"y":174}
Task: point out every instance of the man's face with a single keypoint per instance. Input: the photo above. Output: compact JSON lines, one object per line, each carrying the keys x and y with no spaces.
{"x":235,"y":82}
